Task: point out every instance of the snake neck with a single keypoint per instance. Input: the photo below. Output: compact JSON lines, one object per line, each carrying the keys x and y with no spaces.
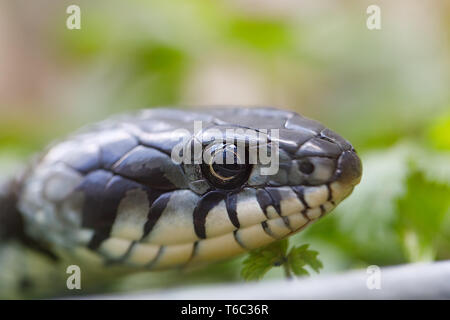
{"x":11,"y":221}
{"x":24,"y":262}
{"x":12,"y":224}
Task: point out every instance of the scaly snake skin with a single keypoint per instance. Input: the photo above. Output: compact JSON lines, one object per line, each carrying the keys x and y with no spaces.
{"x":111,"y":194}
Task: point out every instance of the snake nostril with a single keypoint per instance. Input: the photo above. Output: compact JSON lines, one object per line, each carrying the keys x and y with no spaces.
{"x":306,"y":167}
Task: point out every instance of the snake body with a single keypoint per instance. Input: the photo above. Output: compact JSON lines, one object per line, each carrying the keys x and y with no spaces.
{"x":111,"y":194}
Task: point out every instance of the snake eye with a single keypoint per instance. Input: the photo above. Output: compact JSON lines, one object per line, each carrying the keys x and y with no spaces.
{"x":306,"y":167}
{"x":226,"y":169}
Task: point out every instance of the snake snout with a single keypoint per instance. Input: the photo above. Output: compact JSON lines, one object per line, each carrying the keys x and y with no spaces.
{"x":348,"y":165}
{"x":349,"y":168}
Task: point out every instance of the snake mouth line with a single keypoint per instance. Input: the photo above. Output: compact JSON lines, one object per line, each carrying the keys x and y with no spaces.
{"x":284,"y":226}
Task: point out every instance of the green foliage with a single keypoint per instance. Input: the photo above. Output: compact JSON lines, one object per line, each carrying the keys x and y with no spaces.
{"x":260,"y":261}
{"x":421,"y":213}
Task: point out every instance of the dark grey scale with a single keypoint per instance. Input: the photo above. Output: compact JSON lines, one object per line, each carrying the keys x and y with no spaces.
{"x":276,"y":198}
{"x":300,"y":192}
{"x":163,"y":141}
{"x":264,"y":200}
{"x":287,"y":223}
{"x":348,"y":167}
{"x":231,"y":205}
{"x":117,"y":144}
{"x":334,"y":137}
{"x":155,"y":212}
{"x":285,"y":161}
{"x":12,"y":224}
{"x":103,"y":194}
{"x":206,"y":203}
{"x":206,"y":136}
{"x":281,"y":177}
{"x":267,"y":230}
{"x":154,"y":174}
{"x":83,"y":158}
{"x":290,"y":141}
{"x":93,"y":187}
{"x":160,"y":135}
{"x":269,"y":197}
{"x":318,"y":147}
{"x":303,"y":126}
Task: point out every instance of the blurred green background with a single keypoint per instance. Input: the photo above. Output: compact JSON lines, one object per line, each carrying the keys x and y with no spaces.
{"x":386,"y":91}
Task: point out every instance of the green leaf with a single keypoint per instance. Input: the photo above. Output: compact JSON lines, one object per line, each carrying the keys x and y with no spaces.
{"x":300,"y":257}
{"x":260,"y":261}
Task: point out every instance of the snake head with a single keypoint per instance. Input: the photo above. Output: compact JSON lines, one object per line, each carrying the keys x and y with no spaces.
{"x":254,"y":203}
{"x":114,"y":188}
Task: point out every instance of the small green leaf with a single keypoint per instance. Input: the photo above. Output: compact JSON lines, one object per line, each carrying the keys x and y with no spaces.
{"x":260,"y":261}
{"x":300,"y":257}
{"x":299,"y":271}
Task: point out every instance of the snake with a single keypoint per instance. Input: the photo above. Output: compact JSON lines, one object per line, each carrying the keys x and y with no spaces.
{"x":111,"y":196}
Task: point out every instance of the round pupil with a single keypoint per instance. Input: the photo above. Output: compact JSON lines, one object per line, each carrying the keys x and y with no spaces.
{"x":227,"y":169}
{"x":306,"y":167}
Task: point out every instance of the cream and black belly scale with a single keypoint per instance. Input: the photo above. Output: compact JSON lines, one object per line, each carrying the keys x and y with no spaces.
{"x":112,"y":193}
